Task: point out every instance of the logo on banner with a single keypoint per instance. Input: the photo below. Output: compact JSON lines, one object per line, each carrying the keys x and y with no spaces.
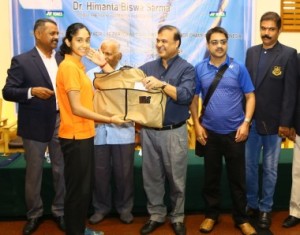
{"x":217,"y":13}
{"x":54,"y":13}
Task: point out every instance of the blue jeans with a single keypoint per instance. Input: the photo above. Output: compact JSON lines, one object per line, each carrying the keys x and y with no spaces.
{"x":270,"y":146}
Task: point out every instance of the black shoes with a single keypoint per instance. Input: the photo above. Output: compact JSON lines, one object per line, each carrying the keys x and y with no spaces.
{"x":179,"y":228}
{"x":60,"y":221}
{"x":150,"y":226}
{"x":31,"y":226}
{"x":290,"y":221}
{"x":264,"y":220}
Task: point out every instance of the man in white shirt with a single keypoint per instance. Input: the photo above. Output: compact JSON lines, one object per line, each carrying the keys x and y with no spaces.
{"x":31,"y":83}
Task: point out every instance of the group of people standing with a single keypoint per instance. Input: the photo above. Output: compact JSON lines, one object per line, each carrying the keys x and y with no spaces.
{"x":250,"y":111}
{"x":252,"y":108}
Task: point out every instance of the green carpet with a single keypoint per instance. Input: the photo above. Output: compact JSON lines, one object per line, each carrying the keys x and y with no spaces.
{"x":12,"y":179}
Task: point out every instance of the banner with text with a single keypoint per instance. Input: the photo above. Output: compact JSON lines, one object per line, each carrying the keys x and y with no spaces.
{"x":134,"y":23}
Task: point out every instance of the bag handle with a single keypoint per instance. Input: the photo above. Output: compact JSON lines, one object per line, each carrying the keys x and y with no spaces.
{"x":125,"y":67}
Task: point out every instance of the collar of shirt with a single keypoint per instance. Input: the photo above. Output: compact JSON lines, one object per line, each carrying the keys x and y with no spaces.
{"x":271,"y":48}
{"x":227,"y":61}
{"x":44,"y":56}
{"x":170,"y":61}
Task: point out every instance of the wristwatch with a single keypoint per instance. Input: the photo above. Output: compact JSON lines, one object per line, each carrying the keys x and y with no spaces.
{"x":248,"y":120}
{"x":164,"y":85}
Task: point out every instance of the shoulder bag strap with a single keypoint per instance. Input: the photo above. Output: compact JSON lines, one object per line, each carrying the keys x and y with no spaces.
{"x":213,"y":87}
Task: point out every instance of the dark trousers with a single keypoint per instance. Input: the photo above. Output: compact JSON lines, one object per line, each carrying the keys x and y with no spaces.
{"x":219,"y":145}
{"x":114,"y":161}
{"x":79,"y":172}
{"x":34,"y":156}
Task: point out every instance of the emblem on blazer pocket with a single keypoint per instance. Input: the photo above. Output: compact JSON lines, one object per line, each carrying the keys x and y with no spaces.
{"x":277,"y":70}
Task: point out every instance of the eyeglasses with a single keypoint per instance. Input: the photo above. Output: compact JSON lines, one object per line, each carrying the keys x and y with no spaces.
{"x":216,"y":42}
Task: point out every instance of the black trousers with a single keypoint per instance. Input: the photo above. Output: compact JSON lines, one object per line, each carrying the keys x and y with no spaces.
{"x":79,"y":172}
{"x":219,"y":146}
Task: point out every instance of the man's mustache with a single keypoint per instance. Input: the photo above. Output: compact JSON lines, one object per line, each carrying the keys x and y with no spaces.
{"x":266,"y":36}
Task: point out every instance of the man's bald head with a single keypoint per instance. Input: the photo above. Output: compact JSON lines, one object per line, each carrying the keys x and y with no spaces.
{"x":111,"y":50}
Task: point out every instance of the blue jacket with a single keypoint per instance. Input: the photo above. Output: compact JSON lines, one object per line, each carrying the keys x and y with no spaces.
{"x":275,"y":87}
{"x":36,"y":117}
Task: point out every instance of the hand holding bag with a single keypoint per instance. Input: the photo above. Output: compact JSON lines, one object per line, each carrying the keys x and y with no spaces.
{"x":121,"y":93}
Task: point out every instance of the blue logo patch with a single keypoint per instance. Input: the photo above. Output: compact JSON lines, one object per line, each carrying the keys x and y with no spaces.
{"x":54,"y":13}
{"x":217,"y":14}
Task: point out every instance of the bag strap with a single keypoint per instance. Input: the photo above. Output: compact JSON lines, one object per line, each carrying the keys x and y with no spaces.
{"x":125,"y":67}
{"x":213,"y":86}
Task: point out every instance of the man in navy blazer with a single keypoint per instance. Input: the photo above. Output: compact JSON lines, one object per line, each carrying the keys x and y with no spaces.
{"x":31,"y":83}
{"x":273,"y":70}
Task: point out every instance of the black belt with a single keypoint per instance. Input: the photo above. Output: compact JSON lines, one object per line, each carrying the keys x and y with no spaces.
{"x":170,"y":127}
{"x":57,"y":111}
